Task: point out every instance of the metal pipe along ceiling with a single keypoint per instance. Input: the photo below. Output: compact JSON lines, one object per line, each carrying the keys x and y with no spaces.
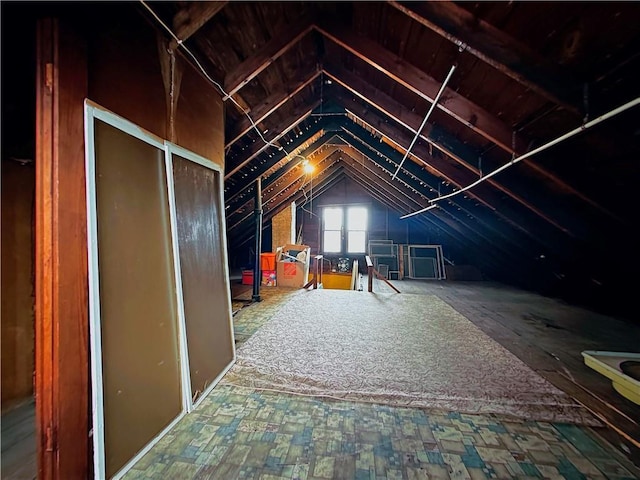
{"x":575,"y":131}
{"x":424,"y":122}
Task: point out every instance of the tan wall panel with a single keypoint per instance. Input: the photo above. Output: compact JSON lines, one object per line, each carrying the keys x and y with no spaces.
{"x":18,"y":187}
{"x":142,"y":393}
{"x":200,"y":241}
{"x":283,"y":228}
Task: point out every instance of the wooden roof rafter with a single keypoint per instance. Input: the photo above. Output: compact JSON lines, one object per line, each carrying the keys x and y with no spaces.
{"x":269,"y":105}
{"x":423,"y":85}
{"x":494,"y":47}
{"x":283,"y":165}
{"x":188,"y":20}
{"x":265,"y":56}
{"x":550,"y":239}
{"x":458,"y":177}
{"x":298,"y":115}
{"x":273,"y":185}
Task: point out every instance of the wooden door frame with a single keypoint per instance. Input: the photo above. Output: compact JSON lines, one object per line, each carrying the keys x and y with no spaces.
{"x":61,"y":316}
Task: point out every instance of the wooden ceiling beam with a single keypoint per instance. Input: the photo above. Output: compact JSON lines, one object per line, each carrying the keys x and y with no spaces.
{"x":547,"y":239}
{"x":423,"y":85}
{"x":192,"y":18}
{"x":440,"y":166}
{"x":268,"y":106}
{"x":411,"y":121}
{"x":263,"y":168}
{"x":496,"y":48}
{"x":443,"y":168}
{"x":272,"y":189}
{"x":298,"y":114}
{"x":265,"y":56}
{"x":458,"y":209}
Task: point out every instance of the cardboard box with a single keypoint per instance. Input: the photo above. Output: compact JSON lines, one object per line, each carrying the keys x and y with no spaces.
{"x":269,"y":277}
{"x":292,"y":265}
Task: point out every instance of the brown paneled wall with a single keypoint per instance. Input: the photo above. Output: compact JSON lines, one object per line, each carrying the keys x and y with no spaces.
{"x":18,"y":187}
{"x":115,"y":61}
{"x":199,"y":118}
{"x":130,"y":73}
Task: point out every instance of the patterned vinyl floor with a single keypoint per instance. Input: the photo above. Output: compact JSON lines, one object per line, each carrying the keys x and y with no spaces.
{"x":242,"y":433}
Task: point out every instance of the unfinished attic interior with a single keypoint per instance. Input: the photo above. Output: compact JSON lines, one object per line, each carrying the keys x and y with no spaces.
{"x":469,"y":169}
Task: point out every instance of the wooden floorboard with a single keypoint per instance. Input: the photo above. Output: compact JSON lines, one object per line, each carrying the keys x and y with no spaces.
{"x":549,"y":336}
{"x":19,"y":443}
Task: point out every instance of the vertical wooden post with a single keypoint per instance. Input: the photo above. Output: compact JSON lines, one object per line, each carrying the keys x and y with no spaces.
{"x":258,"y":219}
{"x":369,"y":273}
{"x":62,"y":344}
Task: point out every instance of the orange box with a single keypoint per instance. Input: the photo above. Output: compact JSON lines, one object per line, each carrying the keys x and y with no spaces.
{"x":267,"y":261}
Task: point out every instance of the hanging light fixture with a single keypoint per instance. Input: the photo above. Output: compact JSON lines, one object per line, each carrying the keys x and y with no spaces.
{"x":307,"y":167}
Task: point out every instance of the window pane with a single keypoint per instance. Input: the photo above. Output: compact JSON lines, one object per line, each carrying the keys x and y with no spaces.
{"x":357,"y":218}
{"x":332,"y":241}
{"x":332,"y":218}
{"x":356,"y":242}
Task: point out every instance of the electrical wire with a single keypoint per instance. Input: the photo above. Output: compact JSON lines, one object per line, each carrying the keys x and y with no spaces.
{"x":216,"y":84}
{"x":582,"y":128}
{"x":307,"y":200}
{"x":181,"y":44}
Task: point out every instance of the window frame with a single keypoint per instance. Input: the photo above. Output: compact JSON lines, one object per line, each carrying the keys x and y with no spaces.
{"x":344,"y":229}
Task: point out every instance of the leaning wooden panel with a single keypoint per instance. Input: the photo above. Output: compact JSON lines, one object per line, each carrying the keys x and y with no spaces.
{"x":205,"y":286}
{"x":141,"y":379}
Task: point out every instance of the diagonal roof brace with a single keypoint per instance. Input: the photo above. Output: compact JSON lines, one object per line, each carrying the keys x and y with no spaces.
{"x":426,"y":117}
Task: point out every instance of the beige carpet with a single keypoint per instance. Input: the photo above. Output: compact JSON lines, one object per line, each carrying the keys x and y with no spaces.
{"x":404,"y":350}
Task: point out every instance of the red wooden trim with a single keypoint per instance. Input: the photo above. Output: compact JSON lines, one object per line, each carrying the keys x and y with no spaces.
{"x":46,"y":39}
{"x":62,"y":345}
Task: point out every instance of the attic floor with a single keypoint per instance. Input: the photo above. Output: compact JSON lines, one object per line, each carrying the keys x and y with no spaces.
{"x":239,"y":432}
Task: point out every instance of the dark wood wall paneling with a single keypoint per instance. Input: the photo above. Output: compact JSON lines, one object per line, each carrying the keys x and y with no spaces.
{"x":126,"y":77}
{"x":199,"y":118}
{"x":18,"y":191}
